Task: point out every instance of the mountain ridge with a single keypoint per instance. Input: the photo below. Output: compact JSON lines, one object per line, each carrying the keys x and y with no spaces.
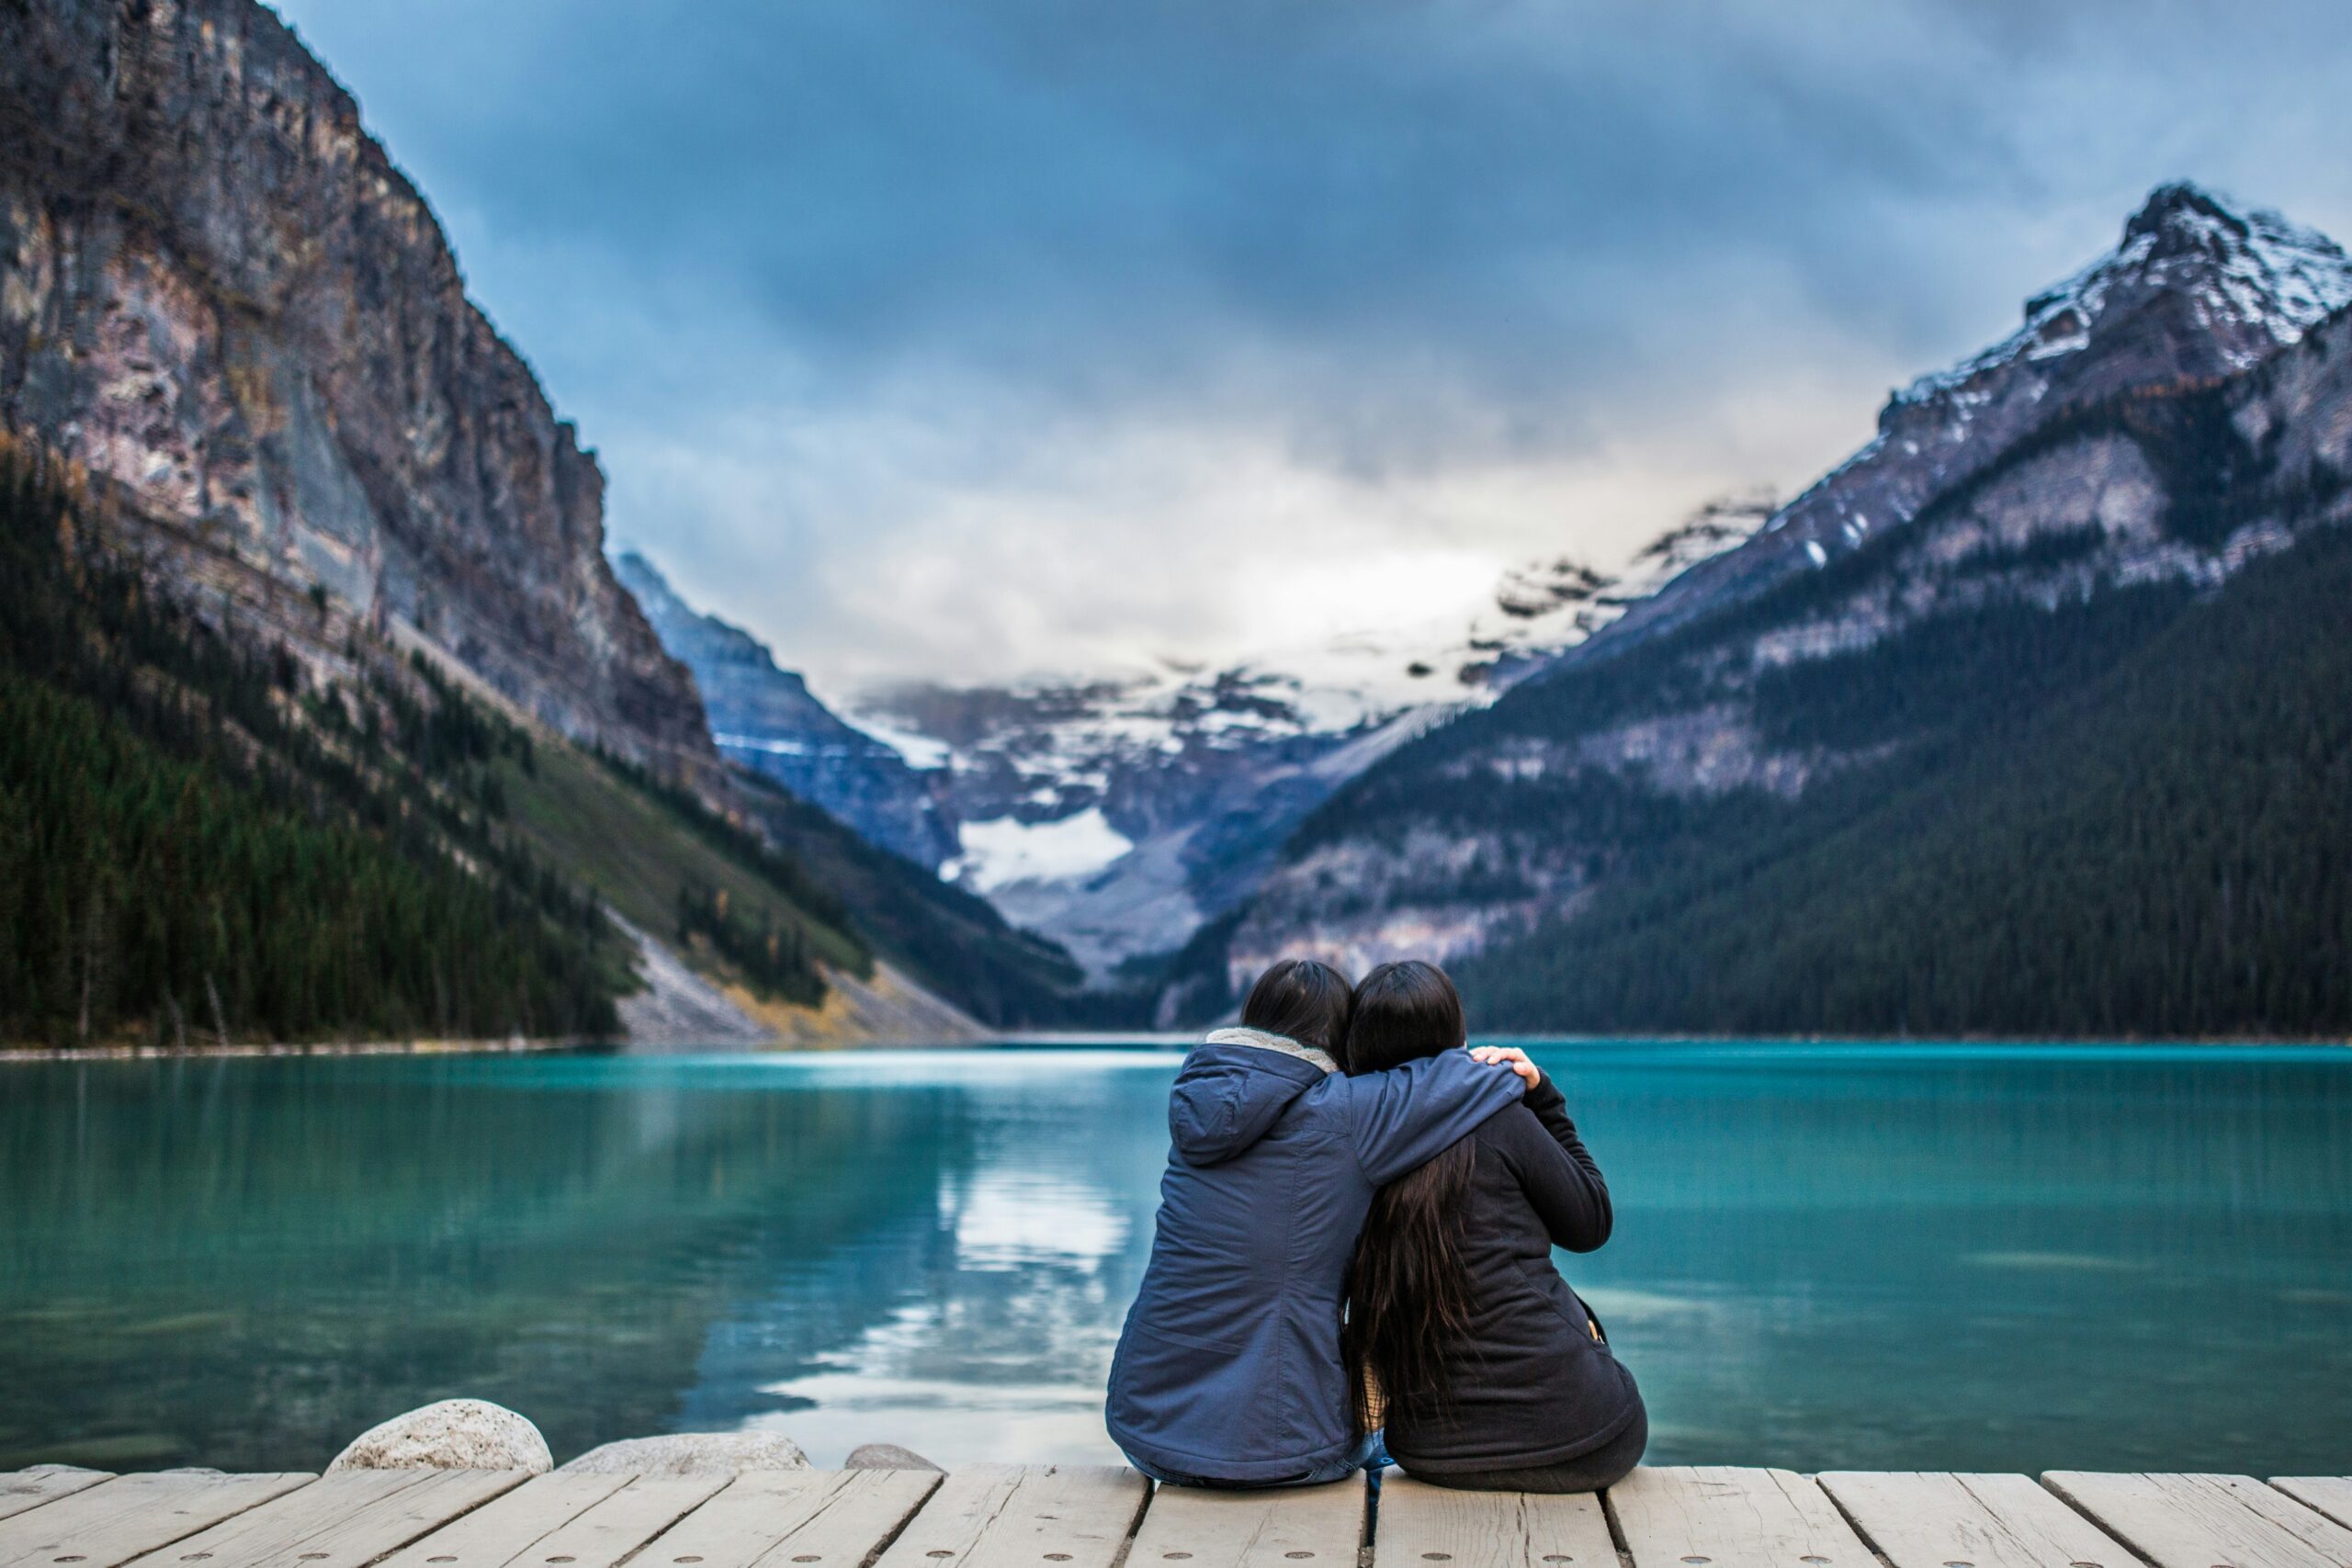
{"x":1938,"y":414}
{"x":246,"y":388}
{"x":766,"y":719}
{"x":2190,"y":444}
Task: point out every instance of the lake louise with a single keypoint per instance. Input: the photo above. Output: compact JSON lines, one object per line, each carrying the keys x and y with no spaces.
{"x":1913,"y":1257}
{"x":1015,"y":784}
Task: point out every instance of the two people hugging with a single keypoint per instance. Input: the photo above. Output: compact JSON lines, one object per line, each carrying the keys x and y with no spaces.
{"x":1352,"y":1265}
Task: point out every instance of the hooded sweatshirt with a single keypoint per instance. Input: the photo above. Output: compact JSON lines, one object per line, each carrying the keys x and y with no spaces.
{"x":1228,"y":1367}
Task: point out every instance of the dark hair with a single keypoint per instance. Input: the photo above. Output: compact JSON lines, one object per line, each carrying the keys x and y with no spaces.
{"x":1407,"y":1290}
{"x":1403,"y":1012}
{"x":1303,"y":1000}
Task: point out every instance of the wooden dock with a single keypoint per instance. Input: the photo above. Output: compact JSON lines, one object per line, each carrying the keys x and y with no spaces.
{"x":1099,"y":1517}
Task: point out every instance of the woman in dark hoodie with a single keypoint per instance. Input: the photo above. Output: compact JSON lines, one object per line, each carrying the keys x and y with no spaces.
{"x":1229,"y":1370}
{"x":1492,"y":1374}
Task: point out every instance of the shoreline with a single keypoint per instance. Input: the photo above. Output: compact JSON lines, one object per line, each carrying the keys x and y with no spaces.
{"x":1051,"y":1040}
{"x":516,"y":1046}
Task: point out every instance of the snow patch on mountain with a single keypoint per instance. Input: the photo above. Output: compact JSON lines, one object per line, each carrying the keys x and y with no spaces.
{"x":1005,"y":851}
{"x":920,"y":751}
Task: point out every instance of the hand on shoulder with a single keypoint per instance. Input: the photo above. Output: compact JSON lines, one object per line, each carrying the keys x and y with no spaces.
{"x":1510,"y":1057}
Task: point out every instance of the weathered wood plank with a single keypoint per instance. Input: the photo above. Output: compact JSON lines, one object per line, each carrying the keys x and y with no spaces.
{"x":504,"y":1528}
{"x":1727,"y":1516}
{"x":109,"y":1524}
{"x":1931,"y":1519}
{"x":1422,"y":1524}
{"x":995,"y":1516}
{"x":2331,"y":1494}
{"x":815,"y":1519}
{"x":609,"y":1533}
{"x":26,"y":1489}
{"x":2206,"y":1521}
{"x":598,"y":1539}
{"x":1317,"y":1525}
{"x":346,"y":1520}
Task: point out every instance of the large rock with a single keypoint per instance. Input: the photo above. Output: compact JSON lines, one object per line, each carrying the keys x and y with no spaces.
{"x":885,"y":1456}
{"x":691,"y":1453}
{"x":455,"y":1434}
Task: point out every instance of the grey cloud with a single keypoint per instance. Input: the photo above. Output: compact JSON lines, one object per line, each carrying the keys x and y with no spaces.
{"x":1394,"y":244}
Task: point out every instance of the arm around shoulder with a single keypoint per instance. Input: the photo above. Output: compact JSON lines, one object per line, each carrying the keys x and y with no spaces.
{"x":1408,"y":1115}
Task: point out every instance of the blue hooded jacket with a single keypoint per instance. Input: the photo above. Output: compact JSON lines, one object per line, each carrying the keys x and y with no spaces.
{"x":1228,"y":1368}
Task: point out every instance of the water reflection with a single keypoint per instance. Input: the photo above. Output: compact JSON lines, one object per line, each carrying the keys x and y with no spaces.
{"x":1951,"y":1259}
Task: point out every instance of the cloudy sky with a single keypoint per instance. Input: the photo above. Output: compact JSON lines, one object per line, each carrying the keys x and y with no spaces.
{"x":965,"y":338}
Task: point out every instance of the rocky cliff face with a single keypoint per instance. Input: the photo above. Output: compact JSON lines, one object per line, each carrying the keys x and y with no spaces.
{"x":218,"y":293}
{"x":767,"y":719}
{"x":2158,"y":424}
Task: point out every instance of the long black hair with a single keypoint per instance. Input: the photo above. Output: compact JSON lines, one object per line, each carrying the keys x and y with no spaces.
{"x":1407,"y":1290}
{"x":1302,"y":1000}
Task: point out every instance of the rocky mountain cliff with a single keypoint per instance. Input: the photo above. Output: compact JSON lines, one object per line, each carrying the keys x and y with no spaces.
{"x":219,"y":294}
{"x":2016,"y":544}
{"x":293,"y":531}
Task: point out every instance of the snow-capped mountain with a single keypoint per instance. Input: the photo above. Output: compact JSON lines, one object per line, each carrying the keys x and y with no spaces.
{"x":2195,"y":291}
{"x":1116,"y":815}
{"x":2019,"y":525}
{"x":1120,"y":812}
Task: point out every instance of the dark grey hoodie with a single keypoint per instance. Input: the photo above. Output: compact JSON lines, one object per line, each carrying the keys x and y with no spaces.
{"x":1228,"y":1368}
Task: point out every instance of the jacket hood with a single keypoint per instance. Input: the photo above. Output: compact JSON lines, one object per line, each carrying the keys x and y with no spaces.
{"x":1234,"y":1087}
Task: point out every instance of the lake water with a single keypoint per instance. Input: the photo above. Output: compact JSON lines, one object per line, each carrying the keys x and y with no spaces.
{"x":1939,"y":1257}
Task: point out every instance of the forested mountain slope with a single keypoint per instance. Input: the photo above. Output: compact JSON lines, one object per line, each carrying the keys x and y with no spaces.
{"x":2147,"y":831}
{"x":329,"y":718}
{"x":198,"y":843}
{"x":213,"y":833}
{"x":2056,"y":750}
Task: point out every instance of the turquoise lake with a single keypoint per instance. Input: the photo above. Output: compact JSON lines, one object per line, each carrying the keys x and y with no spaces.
{"x":1826,"y":1257}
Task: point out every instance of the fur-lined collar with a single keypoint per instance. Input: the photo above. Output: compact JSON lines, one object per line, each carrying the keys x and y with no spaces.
{"x":1260,"y":1040}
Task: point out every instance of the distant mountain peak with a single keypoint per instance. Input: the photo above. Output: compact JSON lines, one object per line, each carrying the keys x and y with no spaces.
{"x":2271,"y":271}
{"x":2252,"y":279}
{"x":765,"y":718}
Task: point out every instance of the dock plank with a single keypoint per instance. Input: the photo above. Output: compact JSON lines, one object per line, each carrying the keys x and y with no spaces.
{"x":1421,"y":1524}
{"x":2206,"y":1521}
{"x":23,"y":1489}
{"x":108,"y":1525}
{"x":345,"y":1519}
{"x":815,"y":1519}
{"x":1934,"y":1519}
{"x":504,"y":1527}
{"x":995,"y":1516}
{"x":607,"y":1534}
{"x":1732,"y":1517}
{"x":2331,"y":1494}
{"x":1206,"y":1529}
{"x":630,"y":1513}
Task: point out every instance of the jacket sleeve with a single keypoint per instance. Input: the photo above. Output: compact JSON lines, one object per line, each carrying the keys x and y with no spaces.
{"x":1408,"y":1115}
{"x":1557,"y":1173}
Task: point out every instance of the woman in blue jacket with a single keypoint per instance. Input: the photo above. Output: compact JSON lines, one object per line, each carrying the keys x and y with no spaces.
{"x":1228,"y":1371}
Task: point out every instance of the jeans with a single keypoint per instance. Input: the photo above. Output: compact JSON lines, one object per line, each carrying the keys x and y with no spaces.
{"x":1370,"y":1454}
